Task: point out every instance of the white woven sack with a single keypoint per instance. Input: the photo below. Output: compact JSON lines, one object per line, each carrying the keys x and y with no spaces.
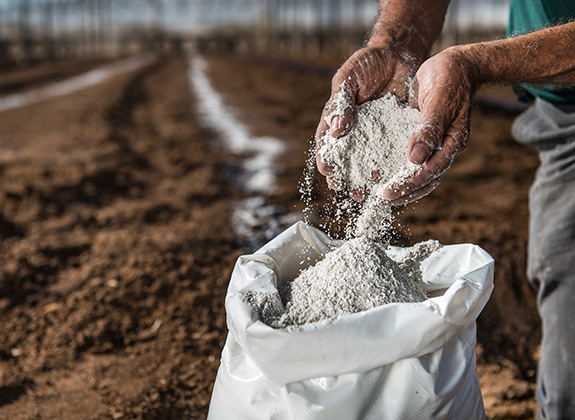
{"x":396,"y":361}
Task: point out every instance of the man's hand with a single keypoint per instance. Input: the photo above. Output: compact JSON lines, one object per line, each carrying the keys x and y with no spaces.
{"x":443,"y":90}
{"x":368,"y":74}
{"x":445,"y":83}
{"x":400,"y":41}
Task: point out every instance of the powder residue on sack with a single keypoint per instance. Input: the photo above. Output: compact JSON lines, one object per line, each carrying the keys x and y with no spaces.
{"x":411,"y":257}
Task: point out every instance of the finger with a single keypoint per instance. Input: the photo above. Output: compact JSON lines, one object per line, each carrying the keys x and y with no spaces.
{"x":336,"y":120}
{"x":413,"y":195}
{"x":322,"y":166}
{"x":338,"y":112}
{"x":409,"y":185}
{"x":358,"y":194}
{"x":453,"y":143}
{"x":322,"y":128}
{"x":434,"y":168}
{"x":334,"y":184}
{"x":426,"y":137}
{"x":341,"y":124}
{"x":413,"y":89}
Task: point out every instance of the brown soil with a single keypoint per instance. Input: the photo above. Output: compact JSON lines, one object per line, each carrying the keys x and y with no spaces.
{"x":117,"y":248}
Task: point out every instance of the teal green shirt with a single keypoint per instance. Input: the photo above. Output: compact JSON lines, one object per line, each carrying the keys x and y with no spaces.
{"x":531,"y":15}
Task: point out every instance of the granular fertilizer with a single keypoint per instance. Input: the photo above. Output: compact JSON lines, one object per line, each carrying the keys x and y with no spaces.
{"x":359,"y":275}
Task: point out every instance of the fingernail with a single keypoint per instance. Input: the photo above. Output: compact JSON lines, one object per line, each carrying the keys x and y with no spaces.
{"x":385,"y":201}
{"x":419,"y":153}
{"x":335,"y":123}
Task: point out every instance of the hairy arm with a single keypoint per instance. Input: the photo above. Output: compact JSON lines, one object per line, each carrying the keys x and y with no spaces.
{"x":545,"y":56}
{"x":411,"y":24}
{"x":445,"y":84}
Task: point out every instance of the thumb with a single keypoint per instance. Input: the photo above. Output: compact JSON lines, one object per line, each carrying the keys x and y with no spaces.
{"x":340,"y":124}
{"x":339,"y":111}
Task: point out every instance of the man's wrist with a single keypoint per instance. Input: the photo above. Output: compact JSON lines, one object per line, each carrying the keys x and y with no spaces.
{"x":408,"y":27}
{"x":405,"y":42}
{"x":471,"y":60}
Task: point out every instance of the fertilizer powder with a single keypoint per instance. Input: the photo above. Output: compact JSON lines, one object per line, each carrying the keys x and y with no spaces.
{"x":374,"y":151}
{"x":355,"y":277}
{"x":372,"y":155}
{"x":359,"y":275}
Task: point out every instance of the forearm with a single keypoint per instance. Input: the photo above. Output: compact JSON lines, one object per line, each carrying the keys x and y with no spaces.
{"x":412,"y":25}
{"x":546,"y":56}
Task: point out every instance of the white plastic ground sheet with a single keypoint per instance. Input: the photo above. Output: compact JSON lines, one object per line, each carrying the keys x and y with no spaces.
{"x":396,"y":361}
{"x":257,"y":169}
{"x":259,"y":173}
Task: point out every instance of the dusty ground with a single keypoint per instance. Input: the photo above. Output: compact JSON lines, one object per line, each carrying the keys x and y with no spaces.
{"x":116,"y":242}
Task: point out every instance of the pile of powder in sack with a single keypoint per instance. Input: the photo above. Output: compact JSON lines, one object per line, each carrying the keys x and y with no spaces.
{"x":357,"y":276}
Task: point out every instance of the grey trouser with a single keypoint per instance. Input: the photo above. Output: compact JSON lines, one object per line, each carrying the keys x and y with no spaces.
{"x":551,"y":259}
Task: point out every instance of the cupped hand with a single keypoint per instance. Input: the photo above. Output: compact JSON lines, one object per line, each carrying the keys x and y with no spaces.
{"x":368,"y":74}
{"x":443,"y":90}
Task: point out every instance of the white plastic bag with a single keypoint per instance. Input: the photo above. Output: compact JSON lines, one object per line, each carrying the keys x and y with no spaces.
{"x":396,"y":361}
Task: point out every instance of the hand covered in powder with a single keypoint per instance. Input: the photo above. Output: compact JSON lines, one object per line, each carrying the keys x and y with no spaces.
{"x":368,"y":74}
{"x":443,"y":89}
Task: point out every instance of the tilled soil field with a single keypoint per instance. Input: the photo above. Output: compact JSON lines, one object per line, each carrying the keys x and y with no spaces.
{"x":117,"y":242}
